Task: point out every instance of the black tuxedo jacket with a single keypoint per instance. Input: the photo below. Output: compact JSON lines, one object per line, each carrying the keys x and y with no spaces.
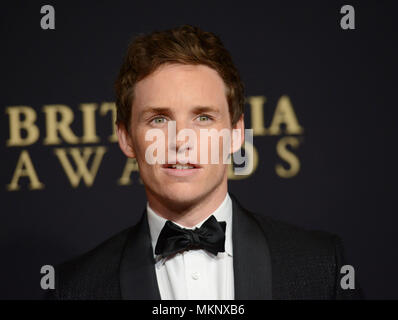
{"x":271,"y":260}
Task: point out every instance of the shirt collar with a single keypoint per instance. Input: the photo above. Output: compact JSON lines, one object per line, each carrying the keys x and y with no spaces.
{"x":222,"y":213}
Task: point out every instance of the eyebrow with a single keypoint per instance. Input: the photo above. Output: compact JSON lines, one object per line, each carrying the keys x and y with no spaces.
{"x":167,"y":110}
{"x":200,"y":109}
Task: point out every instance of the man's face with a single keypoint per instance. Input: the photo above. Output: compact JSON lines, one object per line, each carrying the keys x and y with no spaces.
{"x":194,"y":97}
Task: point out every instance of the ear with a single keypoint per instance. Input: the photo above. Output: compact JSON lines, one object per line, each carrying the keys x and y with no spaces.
{"x":125,"y":142}
{"x":238,"y":134}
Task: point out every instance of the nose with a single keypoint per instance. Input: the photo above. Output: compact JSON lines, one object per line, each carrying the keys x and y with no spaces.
{"x":179,"y":132}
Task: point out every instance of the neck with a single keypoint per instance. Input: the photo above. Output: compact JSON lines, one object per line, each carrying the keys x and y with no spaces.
{"x":188,"y":214}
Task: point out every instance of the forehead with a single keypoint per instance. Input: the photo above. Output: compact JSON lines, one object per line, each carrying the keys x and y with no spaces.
{"x":177,"y":85}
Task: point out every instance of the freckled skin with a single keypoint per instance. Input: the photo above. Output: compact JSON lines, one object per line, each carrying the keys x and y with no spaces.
{"x":180,"y":88}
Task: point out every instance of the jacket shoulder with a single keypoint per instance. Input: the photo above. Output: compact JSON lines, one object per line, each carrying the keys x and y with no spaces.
{"x":305,"y":263}
{"x":94,"y":274}
{"x":288,"y":236}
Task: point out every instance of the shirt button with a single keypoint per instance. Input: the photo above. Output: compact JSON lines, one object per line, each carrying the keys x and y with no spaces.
{"x":195,"y":275}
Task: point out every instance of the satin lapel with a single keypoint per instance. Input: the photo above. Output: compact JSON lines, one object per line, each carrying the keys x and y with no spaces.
{"x":252,"y":261}
{"x":137,"y":270}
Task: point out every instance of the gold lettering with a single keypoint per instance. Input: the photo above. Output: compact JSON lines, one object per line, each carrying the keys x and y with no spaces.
{"x":131,"y":166}
{"x":25,"y":168}
{"x":16,"y":126}
{"x":284,"y":114}
{"x":288,"y":156}
{"x":81,"y":157}
{"x":257,"y":114}
{"x":89,"y":129}
{"x":62,"y":126}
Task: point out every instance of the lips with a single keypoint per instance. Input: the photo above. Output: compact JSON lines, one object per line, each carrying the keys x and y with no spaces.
{"x":180,"y":166}
{"x":180,"y":171}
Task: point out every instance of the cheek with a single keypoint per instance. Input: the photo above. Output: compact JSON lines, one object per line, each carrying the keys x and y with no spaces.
{"x":140,"y":144}
{"x":148,"y":149}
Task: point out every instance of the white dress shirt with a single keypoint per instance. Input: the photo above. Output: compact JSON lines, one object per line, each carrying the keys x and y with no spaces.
{"x":195,"y":274}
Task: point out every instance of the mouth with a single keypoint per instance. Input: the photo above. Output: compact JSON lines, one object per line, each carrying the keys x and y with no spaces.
{"x":181,"y":170}
{"x":178,"y":166}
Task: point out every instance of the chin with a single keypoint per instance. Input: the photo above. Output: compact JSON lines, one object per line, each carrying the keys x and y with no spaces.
{"x":183,"y":192}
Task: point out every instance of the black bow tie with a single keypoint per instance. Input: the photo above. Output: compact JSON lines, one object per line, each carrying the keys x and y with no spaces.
{"x":210,"y":236}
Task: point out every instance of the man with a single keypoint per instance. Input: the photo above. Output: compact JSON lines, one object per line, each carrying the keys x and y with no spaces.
{"x":194,"y":240}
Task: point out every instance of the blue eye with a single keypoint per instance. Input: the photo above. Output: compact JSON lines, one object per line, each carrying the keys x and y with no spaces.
{"x":159,"y":120}
{"x":203,"y":118}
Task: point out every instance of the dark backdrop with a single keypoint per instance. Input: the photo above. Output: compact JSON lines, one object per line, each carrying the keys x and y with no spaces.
{"x":341,"y":85}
